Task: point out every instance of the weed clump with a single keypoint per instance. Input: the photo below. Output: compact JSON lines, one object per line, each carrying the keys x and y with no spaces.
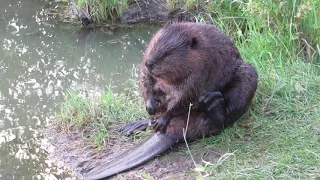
{"x":93,"y":114}
{"x":102,"y":10}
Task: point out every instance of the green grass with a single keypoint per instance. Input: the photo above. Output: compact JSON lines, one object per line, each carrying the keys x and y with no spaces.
{"x":187,"y":5}
{"x":102,"y":10}
{"x":94,"y":114}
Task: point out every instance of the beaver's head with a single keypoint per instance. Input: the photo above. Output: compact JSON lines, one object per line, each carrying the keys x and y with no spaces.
{"x":172,"y":53}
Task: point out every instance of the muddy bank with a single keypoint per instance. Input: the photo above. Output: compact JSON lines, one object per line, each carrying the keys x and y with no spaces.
{"x":154,"y":11}
{"x":72,"y":151}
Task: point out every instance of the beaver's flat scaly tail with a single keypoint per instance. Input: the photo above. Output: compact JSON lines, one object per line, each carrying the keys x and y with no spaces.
{"x":155,"y":145}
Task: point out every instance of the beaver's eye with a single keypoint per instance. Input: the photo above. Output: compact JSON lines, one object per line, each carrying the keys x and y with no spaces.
{"x":167,"y":54}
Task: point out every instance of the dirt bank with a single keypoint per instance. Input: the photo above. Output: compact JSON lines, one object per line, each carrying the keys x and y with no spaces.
{"x":74,"y":152}
{"x":154,"y":11}
{"x":139,"y":11}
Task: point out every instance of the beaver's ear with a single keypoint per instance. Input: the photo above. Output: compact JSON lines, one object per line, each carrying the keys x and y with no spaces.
{"x":194,"y":43}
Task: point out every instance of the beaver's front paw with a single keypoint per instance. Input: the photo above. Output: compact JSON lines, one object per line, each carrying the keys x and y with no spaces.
{"x":159,"y":124}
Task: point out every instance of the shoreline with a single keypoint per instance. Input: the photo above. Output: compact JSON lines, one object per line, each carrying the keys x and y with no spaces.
{"x":141,"y":12}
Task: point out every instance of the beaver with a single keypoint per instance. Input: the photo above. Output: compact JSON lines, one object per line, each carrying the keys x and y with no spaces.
{"x":186,"y":63}
{"x":190,"y":59}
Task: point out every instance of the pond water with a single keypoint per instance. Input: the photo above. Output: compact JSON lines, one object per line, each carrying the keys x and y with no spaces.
{"x":40,"y":59}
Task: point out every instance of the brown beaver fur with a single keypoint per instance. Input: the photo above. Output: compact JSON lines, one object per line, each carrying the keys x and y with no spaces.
{"x":195,"y":63}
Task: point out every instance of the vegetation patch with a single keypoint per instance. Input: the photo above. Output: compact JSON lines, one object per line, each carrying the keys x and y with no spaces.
{"x":102,"y":10}
{"x":93,"y":114}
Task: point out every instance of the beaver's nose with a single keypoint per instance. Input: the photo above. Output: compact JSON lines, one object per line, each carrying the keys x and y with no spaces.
{"x":150,"y":107}
{"x":149,"y":64}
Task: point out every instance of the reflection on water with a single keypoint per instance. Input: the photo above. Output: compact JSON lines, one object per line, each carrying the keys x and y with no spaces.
{"x":39,"y":60}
